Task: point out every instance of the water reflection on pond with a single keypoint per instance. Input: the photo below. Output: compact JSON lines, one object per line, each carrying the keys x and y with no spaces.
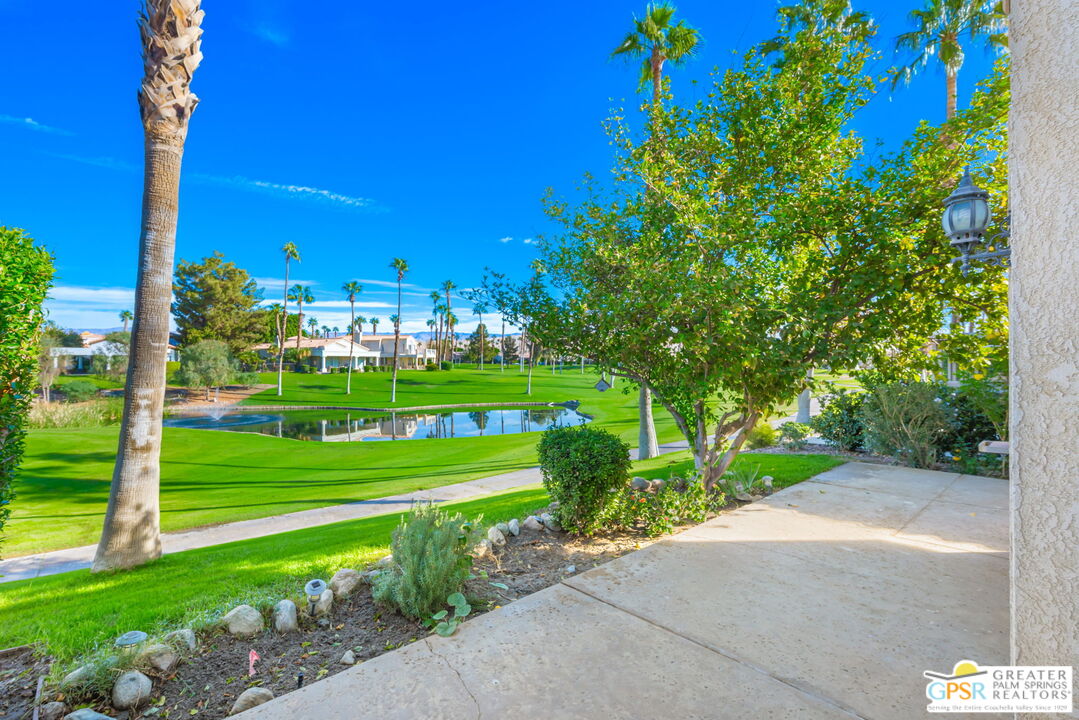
{"x":348,"y":426}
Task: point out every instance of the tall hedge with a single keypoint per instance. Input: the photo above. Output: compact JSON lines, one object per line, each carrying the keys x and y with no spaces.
{"x":25,"y":277}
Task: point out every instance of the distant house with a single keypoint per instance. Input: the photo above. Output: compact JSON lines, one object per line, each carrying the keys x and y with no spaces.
{"x":329,"y":354}
{"x":73,"y":360}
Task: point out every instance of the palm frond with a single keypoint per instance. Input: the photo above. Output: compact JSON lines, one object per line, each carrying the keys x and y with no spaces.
{"x":682,"y":42}
{"x":630,"y":46}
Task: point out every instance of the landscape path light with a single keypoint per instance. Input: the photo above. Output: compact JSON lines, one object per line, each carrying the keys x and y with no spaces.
{"x":313,"y":589}
{"x":127,"y":642}
{"x":965,"y":220}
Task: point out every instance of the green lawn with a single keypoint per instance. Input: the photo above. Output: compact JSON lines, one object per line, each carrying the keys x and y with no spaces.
{"x":72,"y":613}
{"x":210,"y":477}
{"x":101,"y":383}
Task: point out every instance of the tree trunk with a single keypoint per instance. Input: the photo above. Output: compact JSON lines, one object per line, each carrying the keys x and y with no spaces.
{"x":715,"y":472}
{"x":396,"y":343}
{"x":531,"y":362}
{"x":950,"y":77}
{"x":131,"y":533}
{"x":647,"y":445}
{"x":299,"y":325}
{"x":281,"y":334}
{"x":502,"y":345}
{"x":804,"y":400}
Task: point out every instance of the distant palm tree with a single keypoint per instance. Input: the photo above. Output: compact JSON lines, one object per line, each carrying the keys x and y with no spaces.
{"x":431,"y":332}
{"x":478,"y":308}
{"x":658,"y":40}
{"x":313,"y":324}
{"x":351,"y":290}
{"x":374,"y":325}
{"x":937,"y":32}
{"x":436,"y":297}
{"x":171,"y":35}
{"x":291,"y":253}
{"x":300,"y":295}
{"x":325,"y":331}
{"x":400,"y":267}
{"x":447,"y":287}
{"x":126,"y":317}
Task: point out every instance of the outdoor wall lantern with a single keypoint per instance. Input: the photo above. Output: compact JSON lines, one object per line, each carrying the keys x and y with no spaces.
{"x":313,"y":589}
{"x":966,"y":217}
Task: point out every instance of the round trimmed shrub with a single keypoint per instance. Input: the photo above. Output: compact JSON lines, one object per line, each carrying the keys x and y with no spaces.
{"x":79,"y":391}
{"x":582,"y":466}
{"x":839,"y":421}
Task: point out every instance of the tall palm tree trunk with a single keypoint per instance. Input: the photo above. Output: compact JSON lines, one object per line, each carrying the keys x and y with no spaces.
{"x":950,"y":85}
{"x":502,"y":346}
{"x":351,"y":345}
{"x":171,"y":36}
{"x":299,"y":326}
{"x":396,"y":344}
{"x":281,"y":334}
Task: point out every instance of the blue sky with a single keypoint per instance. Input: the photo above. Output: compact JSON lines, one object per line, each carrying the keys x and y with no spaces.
{"x":359,"y":131}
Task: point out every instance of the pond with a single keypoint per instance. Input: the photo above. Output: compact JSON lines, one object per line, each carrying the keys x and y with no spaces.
{"x":360,"y":426}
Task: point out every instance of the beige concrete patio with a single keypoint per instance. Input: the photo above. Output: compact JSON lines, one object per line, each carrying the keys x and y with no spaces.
{"x":826,"y":600}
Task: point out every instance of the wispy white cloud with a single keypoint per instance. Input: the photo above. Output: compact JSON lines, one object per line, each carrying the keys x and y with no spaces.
{"x":302,"y":192}
{"x":345,"y":304}
{"x":387,"y":283}
{"x":505,"y":239}
{"x":272,"y":283}
{"x":528,"y":241}
{"x":32,"y":124}
{"x":112,"y":297}
{"x":296,"y":192}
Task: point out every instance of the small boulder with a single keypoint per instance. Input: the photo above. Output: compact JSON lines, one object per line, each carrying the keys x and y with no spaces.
{"x":85,"y":714}
{"x":243,"y":621}
{"x":385,"y":562}
{"x":249,"y":698}
{"x":52,"y":711}
{"x":483,"y":549}
{"x":184,"y":639}
{"x":532,"y":523}
{"x":349,"y":658}
{"x":657,"y":485}
{"x":495,"y":536}
{"x":344,"y":581}
{"x":369,"y":576}
{"x":284,"y":617}
{"x":639,"y":483}
{"x":78,"y":677}
{"x":744,"y":497}
{"x":504,"y":528}
{"x":554,"y":505}
{"x":132,"y":690}
{"x":325,"y":603}
{"x":160,"y":657}
{"x":514,"y":527}
{"x":549,"y":522}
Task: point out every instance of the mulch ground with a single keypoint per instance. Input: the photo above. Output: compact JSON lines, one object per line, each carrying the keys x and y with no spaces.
{"x":206,"y":684}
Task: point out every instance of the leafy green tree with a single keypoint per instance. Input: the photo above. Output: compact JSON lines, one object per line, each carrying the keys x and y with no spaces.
{"x":939,"y":29}
{"x":400,"y":267}
{"x":206,"y":364}
{"x":291,"y":253}
{"x":760,"y":243}
{"x":113,"y":363}
{"x":60,"y":336}
{"x":215,"y":300}
{"x":477,"y":340}
{"x":509,"y":349}
{"x":26,"y":273}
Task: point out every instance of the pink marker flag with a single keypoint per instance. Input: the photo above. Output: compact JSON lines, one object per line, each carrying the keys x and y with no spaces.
{"x":251,"y":658}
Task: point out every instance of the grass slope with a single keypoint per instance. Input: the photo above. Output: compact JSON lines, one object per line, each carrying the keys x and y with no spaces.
{"x":210,"y":477}
{"x":70,"y":614}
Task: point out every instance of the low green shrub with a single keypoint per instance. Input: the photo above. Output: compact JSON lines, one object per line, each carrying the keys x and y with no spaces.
{"x":430,"y":367}
{"x":676,"y":502}
{"x":762,"y":436}
{"x":431,"y":561}
{"x":906,"y":421}
{"x":446,"y":365}
{"x":247,"y":379}
{"x":582,"y":467}
{"x":78,"y":391}
{"x":793,"y":435}
{"x":839,"y":421}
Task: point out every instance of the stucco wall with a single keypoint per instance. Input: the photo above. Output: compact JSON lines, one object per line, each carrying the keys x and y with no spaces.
{"x":1044,"y":305}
